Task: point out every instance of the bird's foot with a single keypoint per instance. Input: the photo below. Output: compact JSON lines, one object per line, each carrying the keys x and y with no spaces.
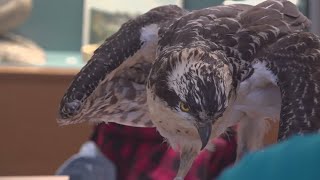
{"x":178,"y":178}
{"x":187,"y":156}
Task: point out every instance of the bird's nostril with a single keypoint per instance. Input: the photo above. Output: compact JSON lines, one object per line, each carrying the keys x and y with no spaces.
{"x":72,"y":107}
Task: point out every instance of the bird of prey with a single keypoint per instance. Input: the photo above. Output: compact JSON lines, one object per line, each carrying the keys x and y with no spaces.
{"x":194,"y":74}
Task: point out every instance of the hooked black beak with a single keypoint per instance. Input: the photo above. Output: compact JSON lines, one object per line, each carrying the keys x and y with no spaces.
{"x":204,"y":131}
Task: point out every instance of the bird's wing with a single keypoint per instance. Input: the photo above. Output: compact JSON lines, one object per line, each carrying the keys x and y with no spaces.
{"x":110,"y":87}
{"x":122,"y":96}
{"x":272,"y":34}
{"x":295,"y":62}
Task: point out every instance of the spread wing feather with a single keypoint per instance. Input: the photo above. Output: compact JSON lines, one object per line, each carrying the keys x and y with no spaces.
{"x":272,"y":33}
{"x":109,"y":88}
{"x":295,"y":61}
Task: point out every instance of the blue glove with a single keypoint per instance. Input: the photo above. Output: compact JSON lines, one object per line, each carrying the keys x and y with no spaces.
{"x":89,"y":163}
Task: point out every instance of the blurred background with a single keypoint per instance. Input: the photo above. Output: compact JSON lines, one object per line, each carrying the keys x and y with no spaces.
{"x":43,"y":44}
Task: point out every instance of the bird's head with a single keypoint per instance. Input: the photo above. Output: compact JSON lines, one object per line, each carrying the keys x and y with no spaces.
{"x":190,"y":86}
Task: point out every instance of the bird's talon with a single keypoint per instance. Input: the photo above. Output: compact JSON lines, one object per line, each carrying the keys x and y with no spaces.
{"x":178,"y":178}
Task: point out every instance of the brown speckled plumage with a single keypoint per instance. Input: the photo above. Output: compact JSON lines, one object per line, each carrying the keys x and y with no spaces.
{"x":213,"y":61}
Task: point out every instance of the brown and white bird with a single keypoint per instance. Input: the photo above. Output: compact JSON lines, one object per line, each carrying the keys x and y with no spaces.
{"x":194,"y":74}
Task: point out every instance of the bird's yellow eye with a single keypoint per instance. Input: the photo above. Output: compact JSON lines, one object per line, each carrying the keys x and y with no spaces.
{"x":184,"y":107}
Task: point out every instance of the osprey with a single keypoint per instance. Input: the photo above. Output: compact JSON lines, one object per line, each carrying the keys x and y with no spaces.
{"x":194,"y":74}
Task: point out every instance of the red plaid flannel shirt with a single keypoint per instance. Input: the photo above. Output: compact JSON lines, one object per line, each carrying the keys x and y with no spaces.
{"x":141,"y":154}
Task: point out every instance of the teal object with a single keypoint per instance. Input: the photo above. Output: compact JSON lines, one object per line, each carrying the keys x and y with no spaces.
{"x":295,"y":159}
{"x":198,"y":4}
{"x":56,"y":26}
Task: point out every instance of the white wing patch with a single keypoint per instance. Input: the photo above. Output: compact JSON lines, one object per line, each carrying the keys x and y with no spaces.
{"x":263,"y":75}
{"x":149,"y":33}
{"x":258,"y":100}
